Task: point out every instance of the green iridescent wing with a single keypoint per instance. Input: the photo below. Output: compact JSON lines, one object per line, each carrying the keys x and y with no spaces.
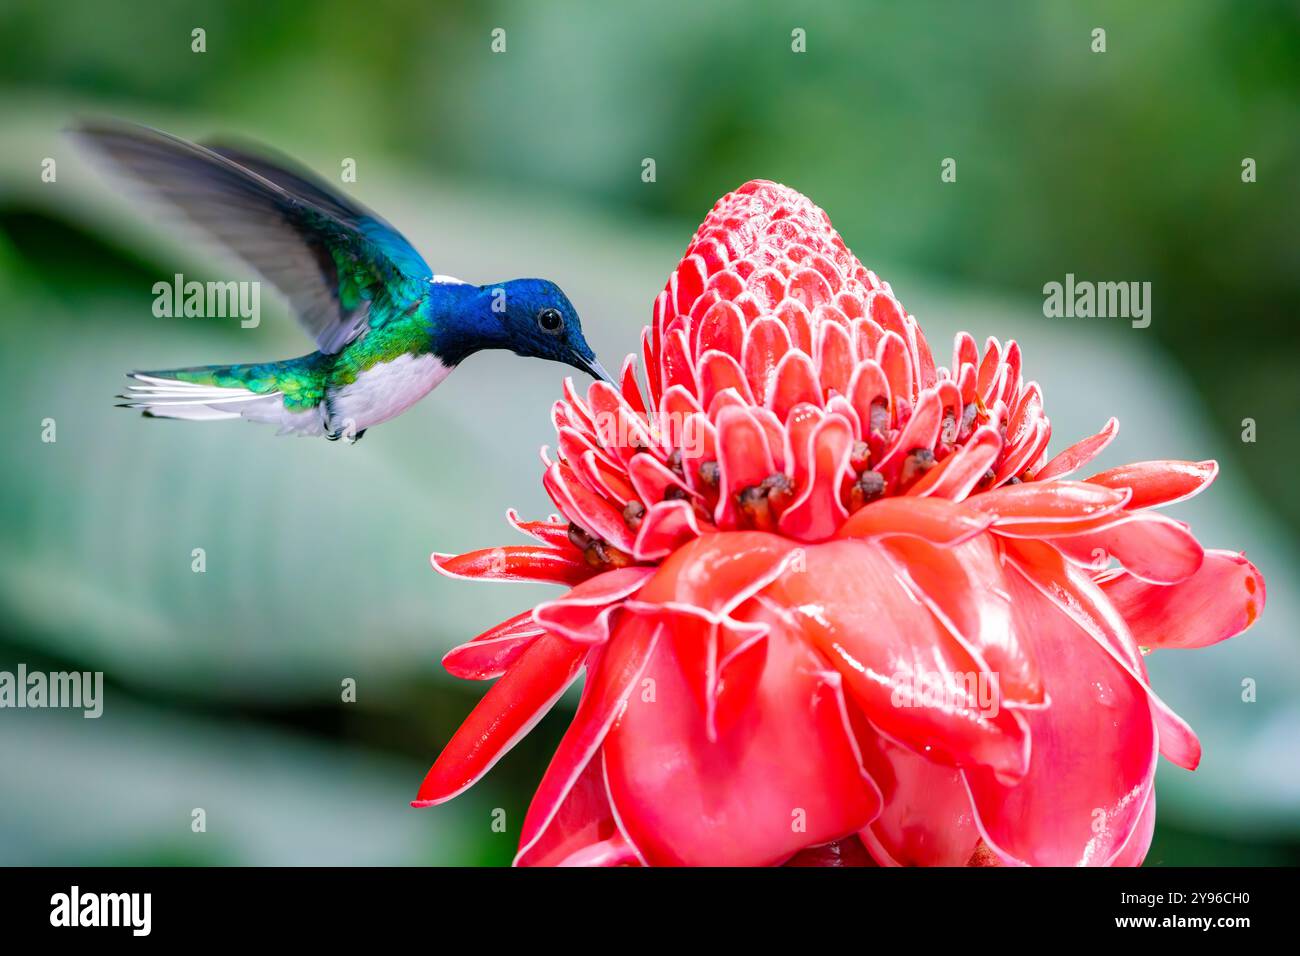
{"x":343,"y":269}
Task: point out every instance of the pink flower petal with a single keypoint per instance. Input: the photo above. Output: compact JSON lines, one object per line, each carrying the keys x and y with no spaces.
{"x":583,"y":614}
{"x":628,"y":386}
{"x":1156,"y":483}
{"x":850,"y":604}
{"x":931,"y":519}
{"x":503,"y":717}
{"x":610,"y":682}
{"x":665,"y":527}
{"x":1079,"y":454}
{"x":766,"y":342}
{"x":810,"y":288}
{"x":515,"y":563}
{"x":835,"y":357}
{"x":798,"y":323}
{"x":1222,"y":599}
{"x":1135,"y":848}
{"x":786,"y":776}
{"x":554,"y":534}
{"x":1079,"y":599}
{"x":718,"y":371}
{"x":582,"y":830}
{"x":1048,"y":502}
{"x":744,"y":460}
{"x":1149,"y":546}
{"x":795,"y":383}
{"x":818,"y":512}
{"x":491,"y":653}
{"x":990,"y":367}
{"x":965,"y":588}
{"x":688,"y":282}
{"x":892,"y":357}
{"x":957,"y":475}
{"x":927,"y":819}
{"x":921,"y":431}
{"x":1066,"y":811}
{"x":867,"y":387}
{"x":652,"y":479}
{"x":887,"y":313}
{"x":592,"y":512}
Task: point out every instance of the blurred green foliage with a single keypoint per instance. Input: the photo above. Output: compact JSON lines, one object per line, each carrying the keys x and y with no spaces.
{"x":1117,"y":166}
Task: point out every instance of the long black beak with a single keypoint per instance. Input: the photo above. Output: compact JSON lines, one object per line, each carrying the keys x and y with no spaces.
{"x":597,"y":371}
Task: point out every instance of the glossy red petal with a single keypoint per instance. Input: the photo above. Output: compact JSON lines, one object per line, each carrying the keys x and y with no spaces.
{"x":610,"y":682}
{"x":835,"y":357}
{"x":552,"y":533}
{"x":766,"y":342}
{"x":810,"y":288}
{"x":909,"y":676}
{"x":795,"y":383}
{"x":491,"y":653}
{"x":1093,"y":757}
{"x":677,"y":367}
{"x":1149,"y":546}
{"x":957,"y":475}
{"x":515,"y":563}
{"x":716,"y":573}
{"x":503,"y":717}
{"x":629,"y":387}
{"x":1135,"y":848}
{"x":818,"y":512}
{"x":1079,"y":454}
{"x":582,"y":830}
{"x":868,"y":386}
{"x":744,"y":460}
{"x":927,"y":819}
{"x":920,"y":433}
{"x":1073,"y":592}
{"x":591,"y":511}
{"x":1156,"y":483}
{"x":1222,"y":599}
{"x":665,"y":527}
{"x":892,"y":357}
{"x":1048,"y":502}
{"x":652,"y":479}
{"x":583,"y":614}
{"x":965,"y":588}
{"x":931,"y":519}
{"x":786,"y":776}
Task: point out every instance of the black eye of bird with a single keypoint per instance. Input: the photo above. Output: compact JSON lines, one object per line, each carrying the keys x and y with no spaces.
{"x":550,"y":320}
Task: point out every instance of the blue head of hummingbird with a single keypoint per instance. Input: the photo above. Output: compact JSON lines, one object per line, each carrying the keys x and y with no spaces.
{"x":388,"y":329}
{"x":530,"y":317}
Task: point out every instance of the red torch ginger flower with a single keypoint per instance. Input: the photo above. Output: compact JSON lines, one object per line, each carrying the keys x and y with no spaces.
{"x":835,"y":603}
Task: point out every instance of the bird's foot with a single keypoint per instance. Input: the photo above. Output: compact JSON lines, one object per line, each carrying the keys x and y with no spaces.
{"x":347,"y":434}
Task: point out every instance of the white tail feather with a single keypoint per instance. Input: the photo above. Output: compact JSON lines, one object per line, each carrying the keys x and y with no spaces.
{"x":191,"y":401}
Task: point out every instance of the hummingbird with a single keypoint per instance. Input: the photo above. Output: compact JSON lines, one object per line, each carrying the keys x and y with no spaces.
{"x":388,"y":330}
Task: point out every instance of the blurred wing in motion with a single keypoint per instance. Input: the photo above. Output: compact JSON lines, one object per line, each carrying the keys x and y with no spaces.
{"x":333,"y":259}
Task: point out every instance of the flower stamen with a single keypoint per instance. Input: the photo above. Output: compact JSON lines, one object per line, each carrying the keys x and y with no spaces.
{"x":915,"y":465}
{"x":869,"y":486}
{"x":763,"y":503}
{"x":598,"y":552}
{"x":633,"y":512}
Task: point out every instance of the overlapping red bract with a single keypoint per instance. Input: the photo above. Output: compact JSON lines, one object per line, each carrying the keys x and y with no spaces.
{"x":830,"y":596}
